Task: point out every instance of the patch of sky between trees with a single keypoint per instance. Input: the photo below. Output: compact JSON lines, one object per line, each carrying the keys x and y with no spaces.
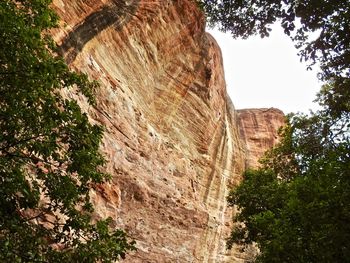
{"x":263,"y":73}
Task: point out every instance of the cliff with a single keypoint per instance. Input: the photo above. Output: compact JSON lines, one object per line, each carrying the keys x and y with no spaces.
{"x":171,"y":139}
{"x":258,"y":129}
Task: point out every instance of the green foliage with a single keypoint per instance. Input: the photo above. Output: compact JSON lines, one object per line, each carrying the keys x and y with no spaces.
{"x":49,"y":156}
{"x":296,"y":207}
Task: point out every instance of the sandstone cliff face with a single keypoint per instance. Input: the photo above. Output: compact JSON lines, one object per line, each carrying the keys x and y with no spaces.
{"x":258,"y":129}
{"x":171,"y":137}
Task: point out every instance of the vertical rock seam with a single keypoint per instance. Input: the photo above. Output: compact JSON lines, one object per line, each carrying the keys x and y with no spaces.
{"x":171,"y":137}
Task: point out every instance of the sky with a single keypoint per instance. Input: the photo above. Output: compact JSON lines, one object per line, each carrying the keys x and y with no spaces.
{"x":263,"y":73}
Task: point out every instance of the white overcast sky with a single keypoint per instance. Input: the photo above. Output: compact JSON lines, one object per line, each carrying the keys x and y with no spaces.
{"x":267,"y":73}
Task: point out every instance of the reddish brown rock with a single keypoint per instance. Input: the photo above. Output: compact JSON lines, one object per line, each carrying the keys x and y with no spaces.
{"x":171,"y":136}
{"x":259,"y":131}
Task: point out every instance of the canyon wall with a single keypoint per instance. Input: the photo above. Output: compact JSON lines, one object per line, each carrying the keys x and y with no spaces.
{"x":172,"y":140}
{"x":258,"y":129}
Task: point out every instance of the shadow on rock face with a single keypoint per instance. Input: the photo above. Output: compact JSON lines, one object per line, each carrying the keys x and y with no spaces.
{"x":117,"y":13}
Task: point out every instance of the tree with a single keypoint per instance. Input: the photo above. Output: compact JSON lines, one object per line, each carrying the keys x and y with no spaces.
{"x":49,"y":157}
{"x":296,"y":206}
{"x":301,"y":20}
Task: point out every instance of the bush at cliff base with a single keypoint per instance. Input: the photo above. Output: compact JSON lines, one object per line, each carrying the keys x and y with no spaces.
{"x":296,"y":207}
{"x":49,"y":157}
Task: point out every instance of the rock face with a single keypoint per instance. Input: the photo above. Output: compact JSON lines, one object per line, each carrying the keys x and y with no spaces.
{"x":258,"y":129}
{"x":171,"y":133}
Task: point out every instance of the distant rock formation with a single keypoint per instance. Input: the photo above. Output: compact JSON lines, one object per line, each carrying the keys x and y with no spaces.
{"x":258,"y":129}
{"x":173,"y":141}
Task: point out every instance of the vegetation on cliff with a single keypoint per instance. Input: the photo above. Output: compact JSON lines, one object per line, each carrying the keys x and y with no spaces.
{"x":295,"y":207}
{"x":49,"y":157}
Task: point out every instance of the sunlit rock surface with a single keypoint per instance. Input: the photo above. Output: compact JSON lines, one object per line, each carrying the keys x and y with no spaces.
{"x":171,"y":136}
{"x":259,"y":131}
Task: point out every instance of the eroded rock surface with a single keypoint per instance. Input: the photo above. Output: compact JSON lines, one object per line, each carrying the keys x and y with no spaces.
{"x":171,"y":137}
{"x":259,"y":131}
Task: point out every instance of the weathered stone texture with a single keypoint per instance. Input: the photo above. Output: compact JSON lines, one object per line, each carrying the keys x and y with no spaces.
{"x":259,"y":131}
{"x":171,"y":136}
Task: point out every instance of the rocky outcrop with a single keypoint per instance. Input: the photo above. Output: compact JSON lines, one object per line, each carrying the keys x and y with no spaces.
{"x":258,"y":129}
{"x":171,"y":137}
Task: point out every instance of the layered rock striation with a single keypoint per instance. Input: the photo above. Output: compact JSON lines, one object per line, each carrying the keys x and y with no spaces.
{"x":172,"y":138}
{"x":258,"y":129}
